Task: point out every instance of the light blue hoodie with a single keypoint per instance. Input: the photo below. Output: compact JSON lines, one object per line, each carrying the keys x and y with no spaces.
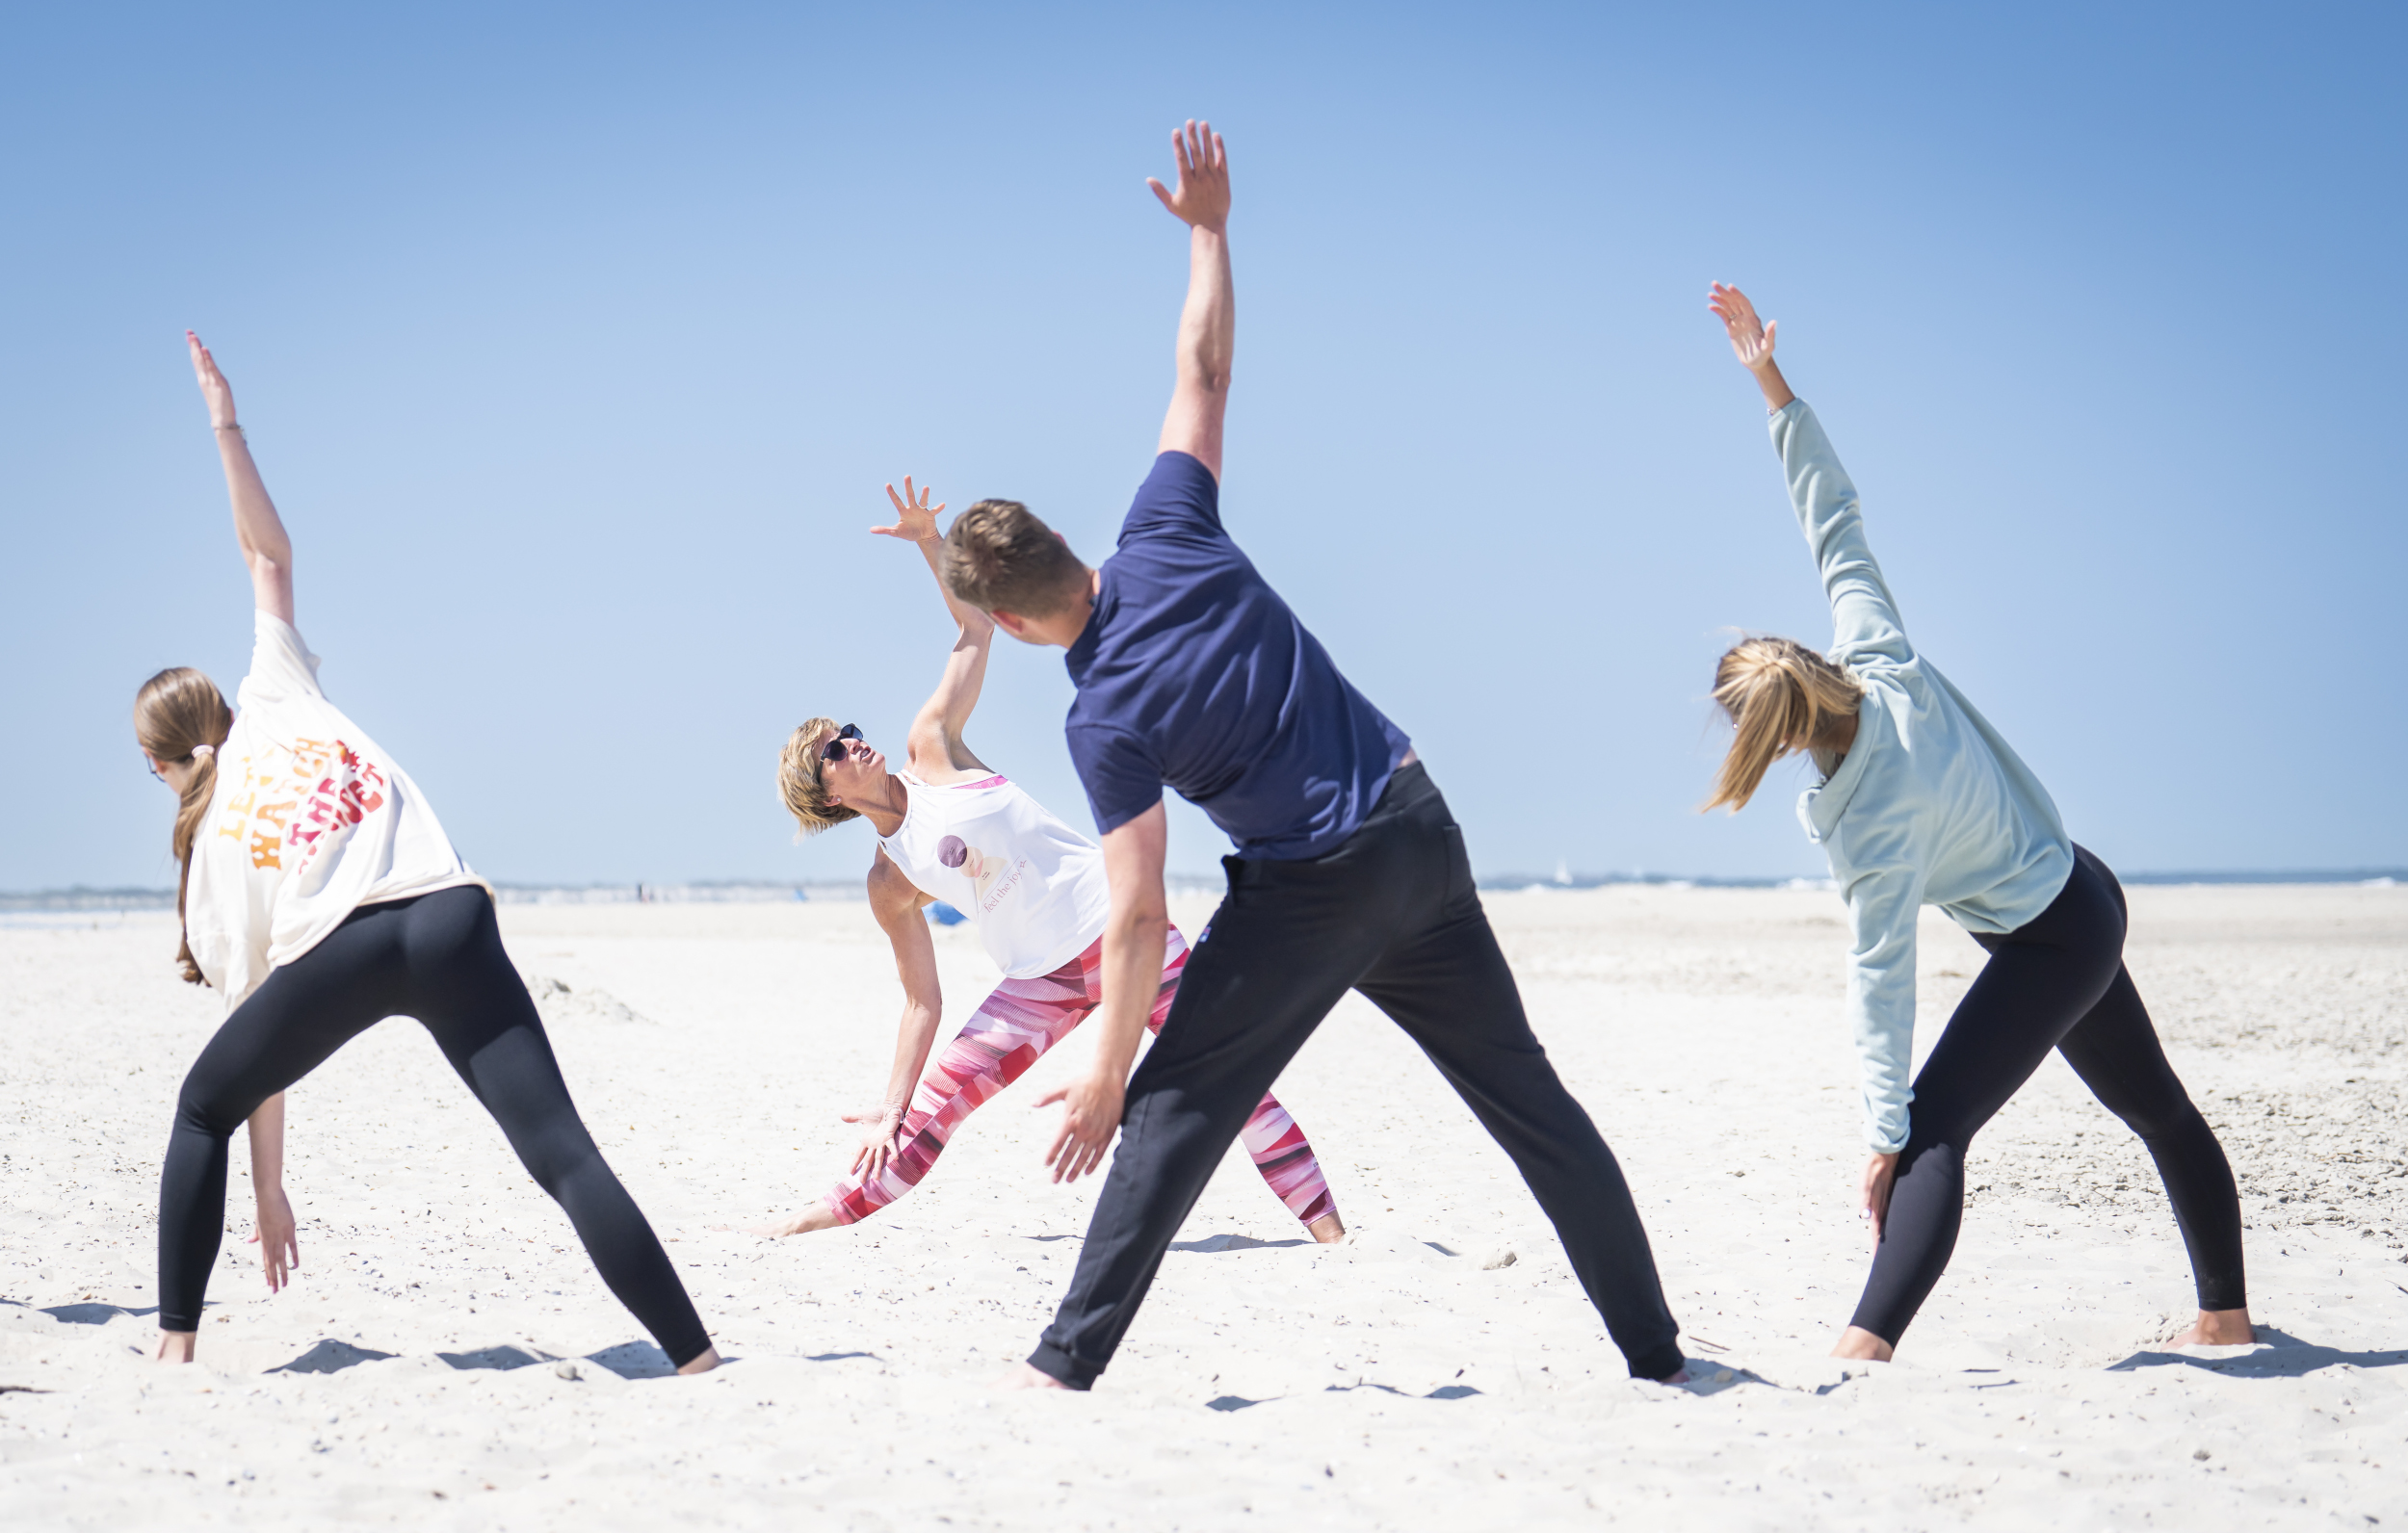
{"x":1930,"y":807}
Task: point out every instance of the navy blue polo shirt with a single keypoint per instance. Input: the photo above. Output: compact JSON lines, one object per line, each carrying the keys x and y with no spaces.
{"x":1192,"y":673}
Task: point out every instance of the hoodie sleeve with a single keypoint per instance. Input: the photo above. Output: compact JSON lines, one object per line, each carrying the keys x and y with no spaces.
{"x":1864,"y":619}
{"x":1883,"y":905}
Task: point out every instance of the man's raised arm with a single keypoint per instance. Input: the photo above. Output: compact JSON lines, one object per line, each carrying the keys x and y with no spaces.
{"x":1208,"y":326}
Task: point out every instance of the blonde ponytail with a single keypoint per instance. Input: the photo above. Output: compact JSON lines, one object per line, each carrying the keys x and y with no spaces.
{"x":1781,"y":698}
{"x":180,"y":717}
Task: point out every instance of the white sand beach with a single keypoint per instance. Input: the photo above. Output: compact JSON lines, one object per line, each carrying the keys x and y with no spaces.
{"x":448,"y":1359}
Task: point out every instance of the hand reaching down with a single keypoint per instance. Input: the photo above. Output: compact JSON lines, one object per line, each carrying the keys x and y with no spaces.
{"x":277,"y":1237}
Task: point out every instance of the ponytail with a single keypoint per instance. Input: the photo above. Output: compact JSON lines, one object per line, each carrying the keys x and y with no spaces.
{"x":1781,"y":698}
{"x":180,"y":717}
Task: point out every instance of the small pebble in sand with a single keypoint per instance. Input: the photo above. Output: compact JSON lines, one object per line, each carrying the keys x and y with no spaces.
{"x":1501,"y":1257}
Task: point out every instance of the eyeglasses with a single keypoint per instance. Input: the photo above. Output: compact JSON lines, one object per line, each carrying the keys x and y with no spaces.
{"x":834,"y":749}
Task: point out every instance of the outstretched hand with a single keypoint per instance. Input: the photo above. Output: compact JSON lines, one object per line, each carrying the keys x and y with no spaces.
{"x":214,"y":387}
{"x":1090,"y":1115}
{"x":1202,"y":200}
{"x":915,"y":519}
{"x":1751,"y":338}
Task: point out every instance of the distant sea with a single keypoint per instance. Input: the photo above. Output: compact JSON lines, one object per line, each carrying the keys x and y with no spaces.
{"x":755,"y":892}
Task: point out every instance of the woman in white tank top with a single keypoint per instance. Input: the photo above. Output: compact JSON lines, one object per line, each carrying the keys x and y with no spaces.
{"x":950,"y":828}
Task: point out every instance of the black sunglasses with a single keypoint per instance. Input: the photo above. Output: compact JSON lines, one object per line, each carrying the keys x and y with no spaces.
{"x":834,"y":749}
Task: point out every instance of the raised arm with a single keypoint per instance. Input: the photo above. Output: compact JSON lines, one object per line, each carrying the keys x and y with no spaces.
{"x":935,"y":744}
{"x":266,"y":549}
{"x":1864,"y":616}
{"x":1208,"y":326}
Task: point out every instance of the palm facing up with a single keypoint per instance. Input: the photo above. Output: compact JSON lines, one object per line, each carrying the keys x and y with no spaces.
{"x":1202,"y":200}
{"x":1751,"y":338}
{"x":915,"y":519}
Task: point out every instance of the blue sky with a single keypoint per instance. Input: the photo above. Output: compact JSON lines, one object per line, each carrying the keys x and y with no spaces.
{"x":575,"y":343}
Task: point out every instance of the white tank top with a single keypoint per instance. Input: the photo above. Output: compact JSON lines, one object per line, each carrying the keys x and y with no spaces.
{"x":1035,"y":887}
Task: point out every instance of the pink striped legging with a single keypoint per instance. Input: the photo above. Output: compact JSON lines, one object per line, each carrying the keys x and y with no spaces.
{"x":1020,"y":1021}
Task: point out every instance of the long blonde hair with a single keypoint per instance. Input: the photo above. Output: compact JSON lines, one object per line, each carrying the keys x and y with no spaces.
{"x":1781,"y":698}
{"x":177,"y":712}
{"x":799,"y":784}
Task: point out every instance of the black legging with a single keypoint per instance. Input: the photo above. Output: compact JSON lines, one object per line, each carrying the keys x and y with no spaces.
{"x":2056,"y":982}
{"x":436,"y":957}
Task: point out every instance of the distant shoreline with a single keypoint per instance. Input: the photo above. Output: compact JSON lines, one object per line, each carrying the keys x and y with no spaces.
{"x":762,"y":892}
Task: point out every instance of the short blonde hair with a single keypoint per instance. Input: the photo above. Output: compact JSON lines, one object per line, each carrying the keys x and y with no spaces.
{"x":1780,"y":697}
{"x":798,"y":782}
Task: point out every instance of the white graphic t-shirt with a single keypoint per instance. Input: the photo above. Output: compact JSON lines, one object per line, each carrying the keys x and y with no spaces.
{"x":1035,"y":887}
{"x":310,"y":821}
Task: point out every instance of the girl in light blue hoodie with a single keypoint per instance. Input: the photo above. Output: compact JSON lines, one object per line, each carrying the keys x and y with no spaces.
{"x":1920,"y":803}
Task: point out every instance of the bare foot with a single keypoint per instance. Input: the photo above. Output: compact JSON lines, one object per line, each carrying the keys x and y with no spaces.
{"x":1327,"y":1230}
{"x":1025,"y":1377}
{"x":177,"y":1346}
{"x":2217,"y":1328}
{"x":704,"y":1363}
{"x":1676,"y":1376}
{"x":1862,"y":1345}
{"x":820,"y":1216}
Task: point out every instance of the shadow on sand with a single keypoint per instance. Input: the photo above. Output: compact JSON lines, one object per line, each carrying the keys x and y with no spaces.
{"x":2279,"y":1355}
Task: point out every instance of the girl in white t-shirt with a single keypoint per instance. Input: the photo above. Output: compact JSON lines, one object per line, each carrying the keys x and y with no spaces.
{"x":320,"y":895}
{"x":950,"y":828}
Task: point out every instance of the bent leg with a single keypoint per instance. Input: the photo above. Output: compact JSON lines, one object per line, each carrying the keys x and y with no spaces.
{"x":1452,"y":992}
{"x":2116,"y":1052}
{"x":298,"y":1016}
{"x":471,"y":1000}
{"x":1010,"y":1032}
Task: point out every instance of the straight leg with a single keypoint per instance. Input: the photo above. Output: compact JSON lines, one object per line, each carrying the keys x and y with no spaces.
{"x":2041,"y":980}
{"x":298,"y":1017}
{"x":1452,"y":991}
{"x":1283,"y":947}
{"x":472,"y":1001}
{"x":2116,"y":1052}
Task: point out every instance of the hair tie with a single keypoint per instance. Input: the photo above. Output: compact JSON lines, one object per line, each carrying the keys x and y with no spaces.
{"x":203,"y":752}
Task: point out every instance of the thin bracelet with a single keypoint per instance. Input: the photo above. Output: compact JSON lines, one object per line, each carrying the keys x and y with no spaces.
{"x":230,"y":425}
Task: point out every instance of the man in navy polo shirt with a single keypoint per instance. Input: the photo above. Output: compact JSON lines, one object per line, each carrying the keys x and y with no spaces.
{"x":1349,"y":873}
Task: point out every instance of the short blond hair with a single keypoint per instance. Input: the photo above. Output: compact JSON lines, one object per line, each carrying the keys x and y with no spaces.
{"x":1780,"y":697}
{"x":998,"y":557}
{"x":799,"y":783}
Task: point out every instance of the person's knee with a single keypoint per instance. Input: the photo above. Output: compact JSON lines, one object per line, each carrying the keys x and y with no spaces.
{"x":203,"y":1110}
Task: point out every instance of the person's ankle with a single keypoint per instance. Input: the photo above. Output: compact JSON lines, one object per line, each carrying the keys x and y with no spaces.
{"x":1029,"y":1376}
{"x":2219,"y":1328}
{"x":1860,"y":1345}
{"x":1328,"y":1229}
{"x":704,"y":1363}
{"x":177,"y":1346}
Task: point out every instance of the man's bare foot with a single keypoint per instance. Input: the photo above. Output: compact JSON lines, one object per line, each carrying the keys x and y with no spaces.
{"x":2217,"y":1328}
{"x":818,"y":1216}
{"x":704,"y":1363}
{"x":177,"y":1346}
{"x":1028,"y":1377}
{"x":1862,"y":1345}
{"x":1327,"y":1230}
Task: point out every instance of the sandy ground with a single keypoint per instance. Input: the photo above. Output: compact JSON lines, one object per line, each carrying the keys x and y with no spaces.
{"x":448,"y":1359}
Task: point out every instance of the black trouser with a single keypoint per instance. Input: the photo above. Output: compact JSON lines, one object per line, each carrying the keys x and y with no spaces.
{"x":2059,"y":982}
{"x":1392,"y":913}
{"x":436,"y":957}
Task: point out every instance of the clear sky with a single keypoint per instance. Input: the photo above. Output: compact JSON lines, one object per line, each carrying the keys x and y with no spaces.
{"x":575,"y":343}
